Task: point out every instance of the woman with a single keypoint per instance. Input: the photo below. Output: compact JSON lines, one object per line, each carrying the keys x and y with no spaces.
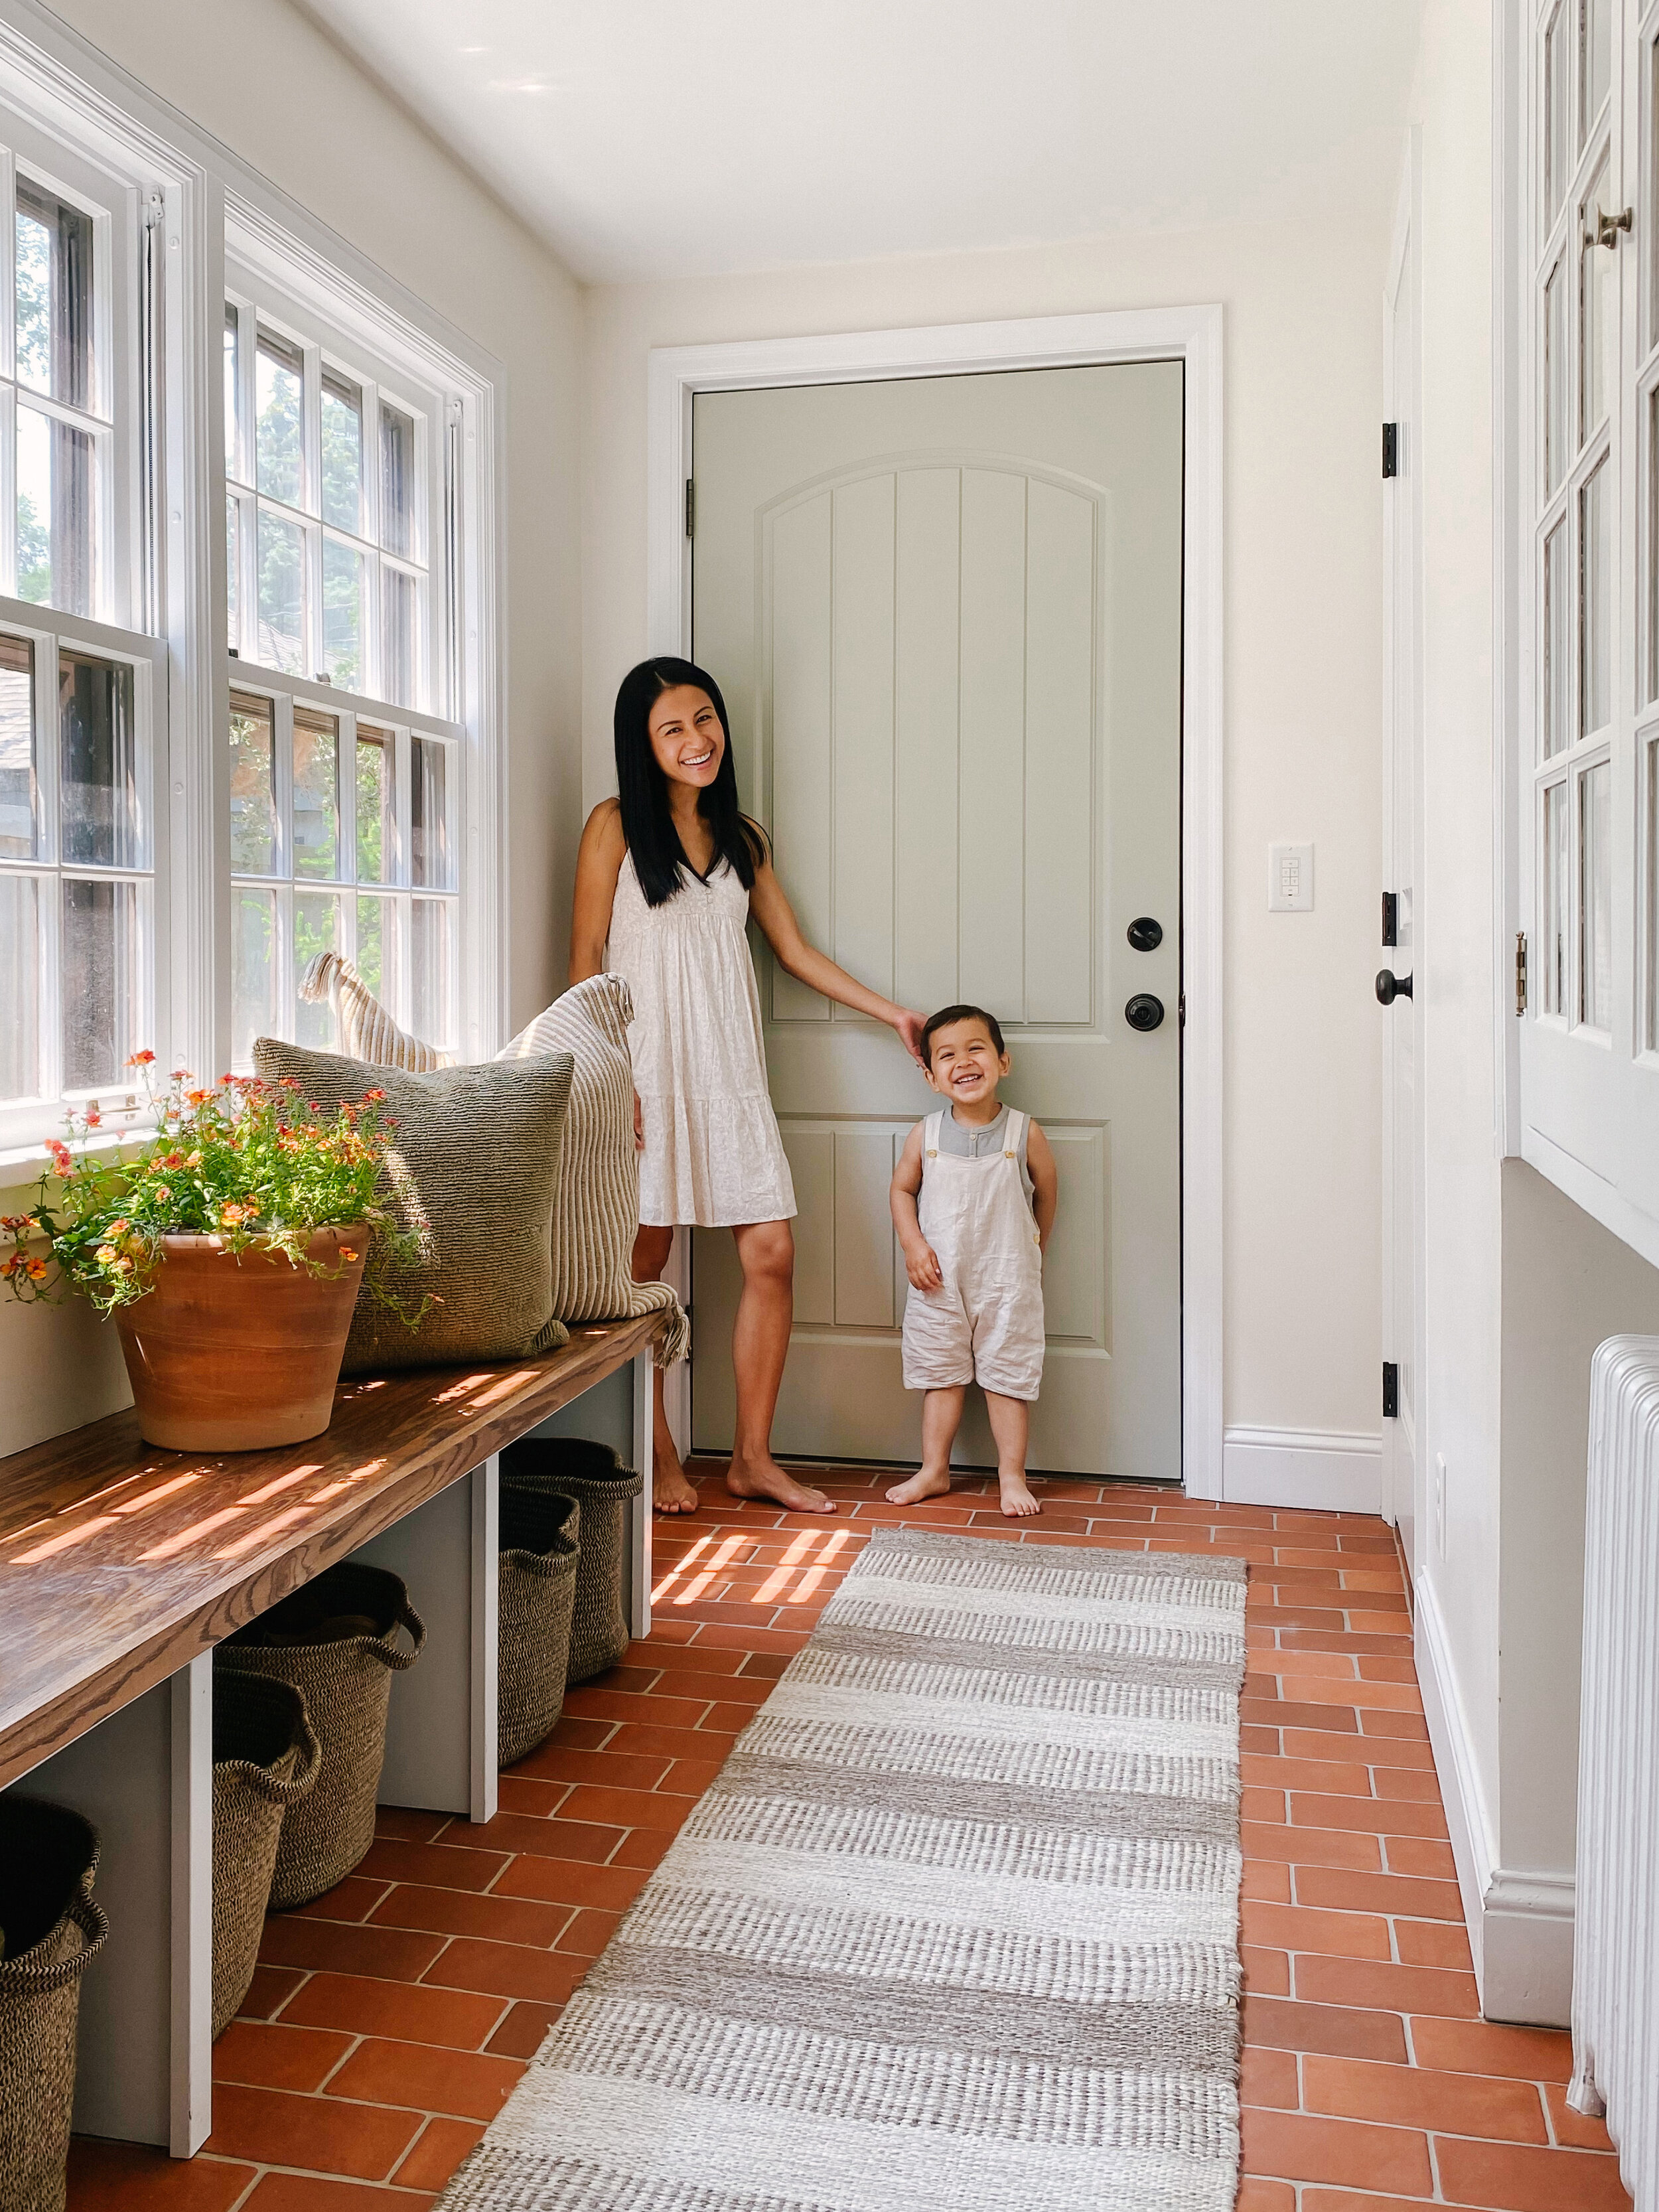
{"x":666,"y":878}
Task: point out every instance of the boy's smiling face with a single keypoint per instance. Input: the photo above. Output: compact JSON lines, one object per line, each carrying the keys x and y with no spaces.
{"x":966,"y":1066}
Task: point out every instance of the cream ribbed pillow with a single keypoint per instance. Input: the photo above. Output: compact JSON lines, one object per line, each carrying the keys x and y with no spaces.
{"x":366,"y":1030}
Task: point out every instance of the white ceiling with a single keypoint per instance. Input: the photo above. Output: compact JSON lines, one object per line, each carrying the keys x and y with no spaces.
{"x":646,"y":138}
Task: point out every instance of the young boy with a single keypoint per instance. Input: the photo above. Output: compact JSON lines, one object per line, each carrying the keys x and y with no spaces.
{"x":973,"y":1250}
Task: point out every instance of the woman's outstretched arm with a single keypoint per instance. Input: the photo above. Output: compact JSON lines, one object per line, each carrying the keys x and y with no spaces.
{"x":776,"y":917}
{"x":599,"y":864}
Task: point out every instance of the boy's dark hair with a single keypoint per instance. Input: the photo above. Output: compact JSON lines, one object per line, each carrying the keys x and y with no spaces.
{"x":946,"y":1015}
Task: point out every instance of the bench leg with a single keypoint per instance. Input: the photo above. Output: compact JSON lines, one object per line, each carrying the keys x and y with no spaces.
{"x":639,"y":1510}
{"x":144,"y":1779}
{"x":441,"y":1737}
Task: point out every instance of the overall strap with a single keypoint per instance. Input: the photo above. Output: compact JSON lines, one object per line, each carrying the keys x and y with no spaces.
{"x":1013,"y":1137}
{"x":930,"y":1129}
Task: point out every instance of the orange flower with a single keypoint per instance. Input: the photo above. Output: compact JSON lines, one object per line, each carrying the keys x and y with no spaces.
{"x":120,"y":1228}
{"x":346,"y":1252}
{"x":13,"y":1222}
{"x":198,"y":1098}
{"x":161,"y":1191}
{"x":232,"y":1216}
{"x":35,"y":1269}
{"x":95,"y":1119}
{"x":140,"y":1058}
{"x":376,"y":1094}
{"x":107,"y":1252}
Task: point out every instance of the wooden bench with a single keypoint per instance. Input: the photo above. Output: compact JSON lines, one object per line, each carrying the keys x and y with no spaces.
{"x":121,"y":1566}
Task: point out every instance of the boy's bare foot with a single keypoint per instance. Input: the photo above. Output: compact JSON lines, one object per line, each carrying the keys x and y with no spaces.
{"x":1016,"y":1499}
{"x":924,"y":1484}
{"x":764,"y":1478}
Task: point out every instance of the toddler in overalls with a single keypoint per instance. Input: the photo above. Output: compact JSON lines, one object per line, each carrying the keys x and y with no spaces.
{"x":973,"y":1200}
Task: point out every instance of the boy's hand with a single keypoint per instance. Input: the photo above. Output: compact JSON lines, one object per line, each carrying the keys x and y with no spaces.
{"x":921,"y":1266}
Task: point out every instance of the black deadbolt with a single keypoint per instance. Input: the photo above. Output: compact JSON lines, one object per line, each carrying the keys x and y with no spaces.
{"x":1146,"y":935}
{"x":1390,"y":988}
{"x":1144,"y":1012}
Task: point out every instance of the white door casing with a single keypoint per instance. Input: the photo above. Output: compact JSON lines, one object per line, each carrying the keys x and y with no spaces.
{"x":1192,"y":336}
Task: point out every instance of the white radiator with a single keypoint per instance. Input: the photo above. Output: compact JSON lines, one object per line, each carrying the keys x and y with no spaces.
{"x":1616,"y":1983}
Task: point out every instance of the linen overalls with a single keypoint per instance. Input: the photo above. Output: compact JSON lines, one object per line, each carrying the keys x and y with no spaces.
{"x":985,"y":1324}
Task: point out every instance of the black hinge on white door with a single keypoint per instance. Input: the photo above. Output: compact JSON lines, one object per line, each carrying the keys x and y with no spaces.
{"x":1391,"y":449}
{"x":1520,"y":971}
{"x":1391,"y":1390}
{"x":690,"y":508}
{"x":1391,"y":917}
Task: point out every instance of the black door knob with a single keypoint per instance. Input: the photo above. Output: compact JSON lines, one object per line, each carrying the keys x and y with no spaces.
{"x":1146,"y":935}
{"x":1390,"y":988}
{"x":1144,"y":1012}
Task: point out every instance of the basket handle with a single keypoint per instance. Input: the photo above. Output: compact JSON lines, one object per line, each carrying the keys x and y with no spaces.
{"x":387,"y":1652}
{"x":265,"y":1784}
{"x":37,"y":1981}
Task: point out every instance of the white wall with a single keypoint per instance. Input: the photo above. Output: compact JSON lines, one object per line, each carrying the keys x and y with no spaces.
{"x":261,"y":77}
{"x":1304,"y":586}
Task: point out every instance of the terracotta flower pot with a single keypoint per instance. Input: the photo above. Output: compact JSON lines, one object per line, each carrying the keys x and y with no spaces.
{"x":239,"y":1353}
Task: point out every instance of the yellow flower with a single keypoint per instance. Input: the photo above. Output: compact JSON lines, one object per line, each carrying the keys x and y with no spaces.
{"x":107,"y":1252}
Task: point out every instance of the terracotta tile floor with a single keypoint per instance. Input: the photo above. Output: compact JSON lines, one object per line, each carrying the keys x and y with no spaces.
{"x":391,"y":2019}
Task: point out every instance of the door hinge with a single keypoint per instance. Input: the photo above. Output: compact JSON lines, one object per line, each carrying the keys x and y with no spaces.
{"x":1520,"y":971}
{"x":1180,"y":1011}
{"x":690,"y":508}
{"x":1391,"y":1390}
{"x":1391,"y":449}
{"x":1390,"y":918}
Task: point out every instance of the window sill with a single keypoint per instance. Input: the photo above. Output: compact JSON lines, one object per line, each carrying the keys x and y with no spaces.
{"x":22,"y":1166}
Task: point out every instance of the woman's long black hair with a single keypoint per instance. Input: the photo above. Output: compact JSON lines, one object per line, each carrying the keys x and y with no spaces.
{"x":647,"y":824}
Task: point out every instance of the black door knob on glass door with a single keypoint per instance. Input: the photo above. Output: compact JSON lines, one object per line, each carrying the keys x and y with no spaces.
{"x":1144,"y":1012}
{"x":1390,"y":987}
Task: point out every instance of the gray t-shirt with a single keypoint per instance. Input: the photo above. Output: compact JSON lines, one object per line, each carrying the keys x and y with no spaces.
{"x":965,"y":1142}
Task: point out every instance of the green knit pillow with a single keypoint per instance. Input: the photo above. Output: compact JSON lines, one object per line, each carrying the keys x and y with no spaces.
{"x":473,"y":1169}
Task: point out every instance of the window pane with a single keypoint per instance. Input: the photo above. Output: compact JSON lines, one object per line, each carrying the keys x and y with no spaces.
{"x":100,"y":821}
{"x":20,"y":987}
{"x":1557,"y":448}
{"x":400,"y":620}
{"x":432,"y":958}
{"x":377,"y":806}
{"x":377,"y":947}
{"x":316,"y":929}
{"x":342,"y":613}
{"x":232,"y":394}
{"x":429,"y":815}
{"x":1595,"y":690}
{"x":1558,"y":642}
{"x":54,"y":513}
{"x":1596,"y":896}
{"x":101,"y":992}
{"x":253,"y":971}
{"x":1598,"y":298}
{"x":233,"y":567}
{"x":1558,"y":152}
{"x":253,"y":819}
{"x":343,"y":454}
{"x":1595,"y":61}
{"x":281,"y":593}
{"x":1555,"y":899}
{"x":397,"y":481}
{"x":20,"y":789}
{"x":54,"y":296}
{"x":316,"y":794}
{"x":280,"y":388}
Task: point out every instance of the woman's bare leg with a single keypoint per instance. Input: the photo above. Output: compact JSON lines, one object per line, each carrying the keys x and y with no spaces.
{"x":760,"y":1345}
{"x":669,"y":1490}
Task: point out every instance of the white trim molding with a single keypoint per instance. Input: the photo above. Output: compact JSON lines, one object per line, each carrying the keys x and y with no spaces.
{"x":1520,"y":1921}
{"x":1192,"y":336}
{"x":1315,"y":1470}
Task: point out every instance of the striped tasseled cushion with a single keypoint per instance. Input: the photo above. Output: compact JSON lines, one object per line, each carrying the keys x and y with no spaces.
{"x":366,"y":1030}
{"x":596,"y":1216}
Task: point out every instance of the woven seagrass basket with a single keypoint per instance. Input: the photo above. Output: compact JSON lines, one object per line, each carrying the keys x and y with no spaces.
{"x":265,"y":1758}
{"x":539,"y":1563}
{"x":50,"y":1929}
{"x":591,"y":1473}
{"x":333,"y":1642}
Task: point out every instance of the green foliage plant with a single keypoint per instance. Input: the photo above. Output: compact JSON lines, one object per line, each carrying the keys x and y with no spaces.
{"x":255,"y":1164}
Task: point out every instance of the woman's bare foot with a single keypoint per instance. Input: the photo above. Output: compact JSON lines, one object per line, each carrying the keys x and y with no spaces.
{"x":1016,"y":1499}
{"x":764,"y":1478}
{"x":671,"y":1492}
{"x":924,"y":1484}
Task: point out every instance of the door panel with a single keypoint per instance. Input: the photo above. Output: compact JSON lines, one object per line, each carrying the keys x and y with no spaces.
{"x":946,"y":616}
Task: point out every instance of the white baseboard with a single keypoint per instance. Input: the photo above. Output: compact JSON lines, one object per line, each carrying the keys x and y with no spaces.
{"x":1320,"y":1471}
{"x":1520,"y":1923}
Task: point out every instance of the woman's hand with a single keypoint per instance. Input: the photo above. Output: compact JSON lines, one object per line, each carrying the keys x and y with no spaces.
{"x":910,"y":1025}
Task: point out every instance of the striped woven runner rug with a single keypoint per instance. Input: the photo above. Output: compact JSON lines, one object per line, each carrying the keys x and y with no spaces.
{"x":955,"y":1929}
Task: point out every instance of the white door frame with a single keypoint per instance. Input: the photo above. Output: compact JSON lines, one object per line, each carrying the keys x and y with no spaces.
{"x":1192,"y":336}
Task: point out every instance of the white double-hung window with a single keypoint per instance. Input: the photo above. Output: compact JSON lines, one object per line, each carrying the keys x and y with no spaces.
{"x":344,"y":605}
{"x":83,"y":977}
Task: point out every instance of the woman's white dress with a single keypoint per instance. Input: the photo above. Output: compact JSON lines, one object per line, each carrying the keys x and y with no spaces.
{"x":713,"y":1155}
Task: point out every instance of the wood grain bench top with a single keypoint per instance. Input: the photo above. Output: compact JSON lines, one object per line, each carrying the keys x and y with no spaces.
{"x":120,"y":1563}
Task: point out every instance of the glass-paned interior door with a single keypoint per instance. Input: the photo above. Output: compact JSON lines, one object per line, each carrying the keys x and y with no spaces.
{"x":1590,"y":746}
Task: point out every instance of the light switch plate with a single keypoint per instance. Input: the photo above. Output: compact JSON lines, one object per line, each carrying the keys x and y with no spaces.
{"x":1290,"y":878}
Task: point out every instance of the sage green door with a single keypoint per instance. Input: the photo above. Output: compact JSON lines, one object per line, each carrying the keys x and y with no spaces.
{"x":946,"y":613}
